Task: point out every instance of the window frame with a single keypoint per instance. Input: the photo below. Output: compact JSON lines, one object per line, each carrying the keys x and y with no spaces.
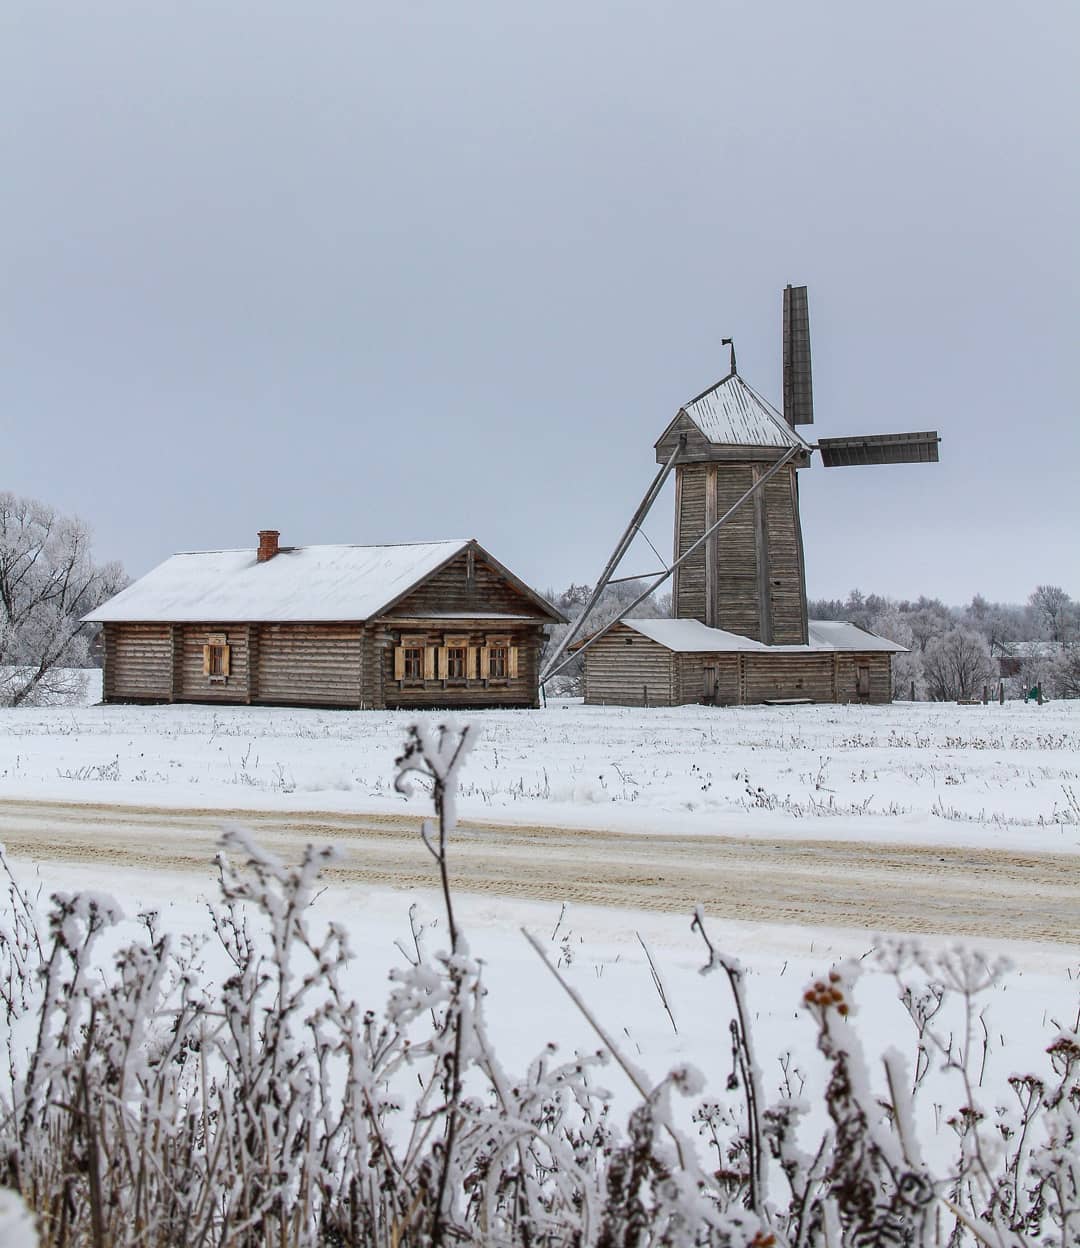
{"x":217,"y":658}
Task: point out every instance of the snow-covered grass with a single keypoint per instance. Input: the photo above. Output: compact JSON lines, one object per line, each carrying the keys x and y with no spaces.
{"x":993,"y":776}
{"x":612,"y":960}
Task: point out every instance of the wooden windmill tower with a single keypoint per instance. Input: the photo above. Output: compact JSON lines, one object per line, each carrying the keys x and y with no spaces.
{"x":749,"y":576}
{"x":738,"y":551}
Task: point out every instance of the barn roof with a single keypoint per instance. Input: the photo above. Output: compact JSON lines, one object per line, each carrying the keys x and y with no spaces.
{"x":693,"y":637}
{"x":732,"y":414}
{"x":300,"y":583}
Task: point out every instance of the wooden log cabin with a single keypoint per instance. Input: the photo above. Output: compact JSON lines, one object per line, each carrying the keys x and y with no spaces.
{"x":674,"y":662}
{"x":430,"y":624}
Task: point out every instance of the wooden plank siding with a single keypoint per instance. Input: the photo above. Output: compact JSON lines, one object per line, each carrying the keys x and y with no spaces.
{"x":689,"y":588}
{"x":749,"y":576}
{"x":625,"y":669}
{"x":138,"y":662}
{"x":737,"y":588}
{"x":784,"y":575}
{"x":451,"y":589}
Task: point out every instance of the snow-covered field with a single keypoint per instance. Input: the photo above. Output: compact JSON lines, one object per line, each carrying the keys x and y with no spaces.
{"x":996,"y":777}
{"x":992,"y":776}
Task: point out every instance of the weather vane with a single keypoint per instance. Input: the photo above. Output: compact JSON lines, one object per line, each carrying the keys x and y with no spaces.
{"x":730,"y":342}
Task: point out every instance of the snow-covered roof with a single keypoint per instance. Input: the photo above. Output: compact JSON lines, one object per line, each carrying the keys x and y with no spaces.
{"x":692,"y":637}
{"x":732,"y":414}
{"x":839,"y":635}
{"x":300,"y":583}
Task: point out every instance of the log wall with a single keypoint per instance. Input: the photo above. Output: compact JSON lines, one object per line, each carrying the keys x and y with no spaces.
{"x":138,"y":662}
{"x":627,"y":669}
{"x":690,"y":674}
{"x":880,"y":672}
{"x":193,"y":685}
{"x":767,"y":676}
{"x":311,"y":664}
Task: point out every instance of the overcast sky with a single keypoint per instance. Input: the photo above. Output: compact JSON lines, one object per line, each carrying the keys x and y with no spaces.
{"x":374,"y":272}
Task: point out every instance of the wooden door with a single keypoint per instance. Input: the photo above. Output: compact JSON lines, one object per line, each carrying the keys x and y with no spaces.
{"x":709,"y":690}
{"x":862,"y":680}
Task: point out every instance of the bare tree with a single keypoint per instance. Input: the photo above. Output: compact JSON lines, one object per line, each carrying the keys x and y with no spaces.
{"x":48,"y":582}
{"x":956,"y":665}
{"x":1054,"y":609}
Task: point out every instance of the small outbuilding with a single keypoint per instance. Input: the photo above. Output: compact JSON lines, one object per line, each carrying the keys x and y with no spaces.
{"x":423,"y":624}
{"x":674,"y":662}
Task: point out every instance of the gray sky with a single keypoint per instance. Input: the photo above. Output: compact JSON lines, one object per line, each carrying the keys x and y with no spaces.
{"x":390,"y":271}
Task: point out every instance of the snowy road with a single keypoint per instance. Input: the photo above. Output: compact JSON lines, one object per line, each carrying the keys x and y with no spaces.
{"x":897,"y":888}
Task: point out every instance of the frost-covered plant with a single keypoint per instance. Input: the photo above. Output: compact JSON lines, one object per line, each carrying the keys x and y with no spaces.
{"x":145,"y":1105}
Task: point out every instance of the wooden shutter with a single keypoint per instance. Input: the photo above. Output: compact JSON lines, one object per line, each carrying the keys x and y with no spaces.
{"x":206,"y":660}
{"x":443,"y":662}
{"x":226,"y":654}
{"x":399,"y":662}
{"x":429,"y":662}
{"x":485,"y":662}
{"x":472,"y":668}
{"x":512,"y":662}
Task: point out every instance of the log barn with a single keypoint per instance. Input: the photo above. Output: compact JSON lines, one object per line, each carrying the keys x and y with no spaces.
{"x":675,"y":662}
{"x":425,"y":624}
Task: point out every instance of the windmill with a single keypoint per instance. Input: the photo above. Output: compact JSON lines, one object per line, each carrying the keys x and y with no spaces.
{"x":738,"y":549}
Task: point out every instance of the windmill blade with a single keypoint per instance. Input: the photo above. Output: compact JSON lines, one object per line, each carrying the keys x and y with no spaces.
{"x":798,"y":388}
{"x":880,"y":448}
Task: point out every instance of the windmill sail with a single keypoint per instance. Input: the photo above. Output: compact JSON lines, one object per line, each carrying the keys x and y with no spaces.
{"x":798,"y":389}
{"x":880,"y":448}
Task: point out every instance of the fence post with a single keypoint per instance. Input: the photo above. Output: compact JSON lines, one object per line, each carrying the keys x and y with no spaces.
{"x":986,"y":694}
{"x":1001,"y":692}
{"x":913,"y":691}
{"x":645,"y":693}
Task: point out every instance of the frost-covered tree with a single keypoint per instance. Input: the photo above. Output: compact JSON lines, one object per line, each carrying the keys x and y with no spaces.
{"x":907,"y":669}
{"x":48,"y":582}
{"x":1054,"y":610}
{"x":956,"y":665}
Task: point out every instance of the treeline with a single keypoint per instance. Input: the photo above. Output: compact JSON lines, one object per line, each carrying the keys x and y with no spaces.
{"x":955,"y":651}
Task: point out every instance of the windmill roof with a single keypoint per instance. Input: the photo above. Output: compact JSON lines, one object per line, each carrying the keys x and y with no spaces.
{"x":731,"y":413}
{"x":300,"y":583}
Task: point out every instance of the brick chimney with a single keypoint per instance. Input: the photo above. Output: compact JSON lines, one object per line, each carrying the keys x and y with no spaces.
{"x":268,"y":544}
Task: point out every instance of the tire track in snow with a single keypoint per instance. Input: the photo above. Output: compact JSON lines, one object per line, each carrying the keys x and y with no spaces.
{"x":990,"y":894}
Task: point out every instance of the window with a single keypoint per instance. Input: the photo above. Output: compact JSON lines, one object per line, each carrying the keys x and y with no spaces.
{"x":216,"y":657}
{"x":414,"y":659}
{"x":498,"y":659}
{"x":457,"y":662}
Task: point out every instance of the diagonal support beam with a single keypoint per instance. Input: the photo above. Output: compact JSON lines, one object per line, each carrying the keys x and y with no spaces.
{"x":623,"y":545}
{"x":551,"y":670}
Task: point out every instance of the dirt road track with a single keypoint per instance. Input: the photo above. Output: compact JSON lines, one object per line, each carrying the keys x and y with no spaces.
{"x":907,"y":888}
